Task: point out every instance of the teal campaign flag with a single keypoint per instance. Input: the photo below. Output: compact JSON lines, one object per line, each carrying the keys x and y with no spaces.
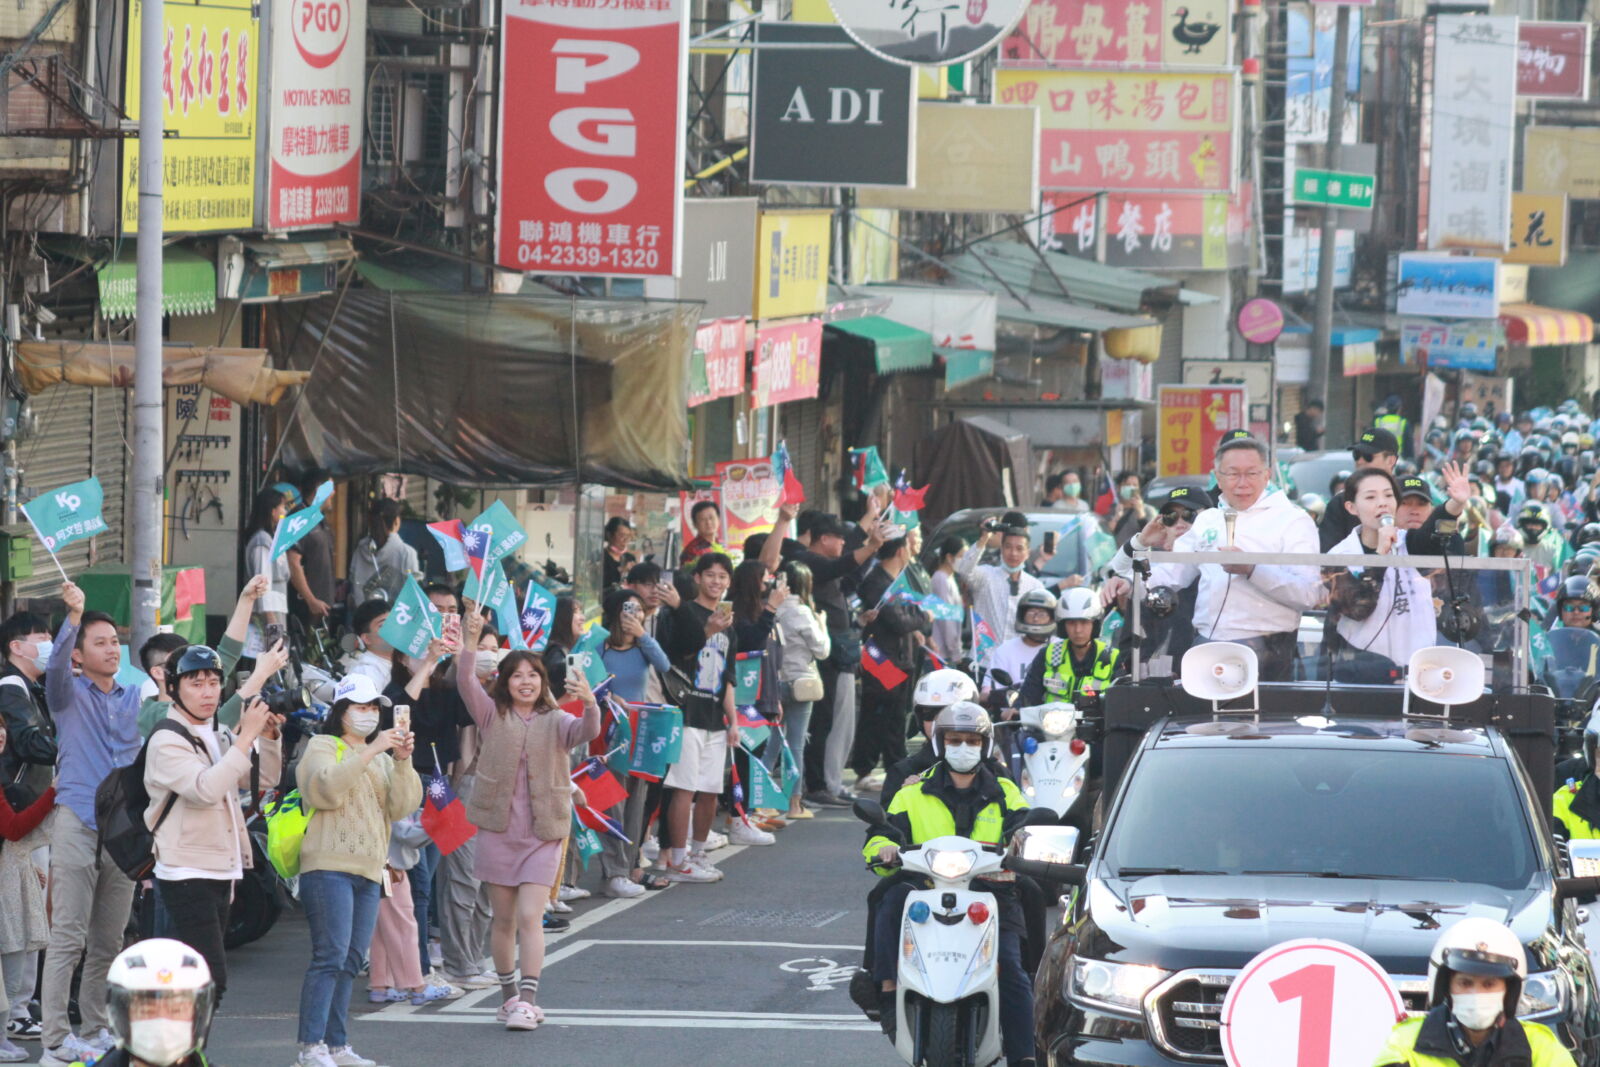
{"x":413,"y":621}
{"x":940,"y":609}
{"x":70,"y":513}
{"x":499,"y":596}
{"x":746,"y":678}
{"x":790,"y":768}
{"x":538,"y":616}
{"x":505,"y":537}
{"x":294,"y":526}
{"x":657,"y":741}
{"x":592,"y":666}
{"x":867,"y":468}
{"x":764,"y":792}
{"x":899,"y":589}
{"x":592,"y":640}
{"x":585,"y":842}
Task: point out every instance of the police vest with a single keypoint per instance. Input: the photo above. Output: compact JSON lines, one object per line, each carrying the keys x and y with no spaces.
{"x":1578,"y":828}
{"x":1395,"y":424}
{"x":1059,"y":679}
{"x":930,"y":817}
{"x":1544,"y":1048}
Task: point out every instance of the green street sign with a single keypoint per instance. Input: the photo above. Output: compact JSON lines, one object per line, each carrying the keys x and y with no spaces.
{"x":1334,"y":188}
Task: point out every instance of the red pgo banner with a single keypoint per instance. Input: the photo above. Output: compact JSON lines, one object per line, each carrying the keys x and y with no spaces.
{"x":319,"y":70}
{"x":591,"y":137}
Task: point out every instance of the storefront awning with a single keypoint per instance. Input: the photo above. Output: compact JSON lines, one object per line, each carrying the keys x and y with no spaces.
{"x":274,"y":254}
{"x":188,"y":283}
{"x":1532,"y":325}
{"x":1043,"y":311}
{"x":896,"y":347}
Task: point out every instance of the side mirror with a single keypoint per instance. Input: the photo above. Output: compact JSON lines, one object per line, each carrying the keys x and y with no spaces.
{"x":1573,"y":888}
{"x":1002,"y":678}
{"x":869,"y":811}
{"x":1064,"y":873}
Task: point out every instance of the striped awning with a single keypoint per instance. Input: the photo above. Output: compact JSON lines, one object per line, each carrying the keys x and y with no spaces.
{"x":188,"y":283}
{"x":1532,"y":325}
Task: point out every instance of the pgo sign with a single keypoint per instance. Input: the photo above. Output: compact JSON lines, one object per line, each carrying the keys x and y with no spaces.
{"x":929,"y":32}
{"x":321,"y":28}
{"x":591,"y":135}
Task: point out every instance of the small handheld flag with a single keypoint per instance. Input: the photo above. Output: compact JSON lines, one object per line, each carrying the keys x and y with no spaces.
{"x":412,"y":622}
{"x":907,"y":499}
{"x":444,"y":817}
{"x":868,"y":468}
{"x":599,"y":821}
{"x":61,"y":516}
{"x":983,"y":636}
{"x":538,"y":612}
{"x":783,"y":470}
{"x":448,"y":534}
{"x":600,"y":787}
{"x":877,"y":663}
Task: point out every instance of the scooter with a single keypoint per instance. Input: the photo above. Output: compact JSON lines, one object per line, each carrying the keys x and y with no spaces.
{"x":947,"y":998}
{"x":1055,"y":759}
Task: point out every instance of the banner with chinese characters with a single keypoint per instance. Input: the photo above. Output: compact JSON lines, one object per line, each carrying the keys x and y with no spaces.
{"x":591,"y":137}
{"x":1190,"y":422}
{"x":788,"y":362}
{"x":1128,"y":34}
{"x":1122,"y":131}
{"x":209,"y":84}
{"x":750,"y":497}
{"x":319,"y":70}
{"x":1308,"y":95}
{"x":1176,"y":232}
{"x":1553,"y":60}
{"x":792,"y":249}
{"x":1473,"y":128}
{"x":1538,"y":229}
{"x":719,"y":347}
{"x":1468,"y":345}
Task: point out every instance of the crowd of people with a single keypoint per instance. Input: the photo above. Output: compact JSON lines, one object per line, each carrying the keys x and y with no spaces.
{"x":843,"y":619}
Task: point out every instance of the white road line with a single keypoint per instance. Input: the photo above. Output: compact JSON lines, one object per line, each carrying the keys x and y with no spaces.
{"x":674,"y":1020}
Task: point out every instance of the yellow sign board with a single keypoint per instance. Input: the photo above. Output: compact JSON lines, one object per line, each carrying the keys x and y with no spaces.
{"x":792,"y":250}
{"x":1538,"y":230}
{"x":970,"y":158}
{"x":1562,"y":159}
{"x":210,"y":85}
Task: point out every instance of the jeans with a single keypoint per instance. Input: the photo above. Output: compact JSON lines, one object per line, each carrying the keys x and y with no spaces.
{"x":422,"y":897}
{"x":341,"y":910}
{"x":1016,"y":985}
{"x":796,"y":719}
{"x":196,"y":913}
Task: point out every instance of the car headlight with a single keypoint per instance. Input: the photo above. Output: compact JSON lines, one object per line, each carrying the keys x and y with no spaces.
{"x":1057,"y":722}
{"x":1119,"y":987}
{"x":950,"y":864}
{"x":1543,"y":992}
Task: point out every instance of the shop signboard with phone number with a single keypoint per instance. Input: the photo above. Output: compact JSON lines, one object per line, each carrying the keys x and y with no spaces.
{"x":750,"y":495}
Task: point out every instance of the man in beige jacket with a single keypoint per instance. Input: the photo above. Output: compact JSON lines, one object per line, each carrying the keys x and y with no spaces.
{"x":194,"y":770}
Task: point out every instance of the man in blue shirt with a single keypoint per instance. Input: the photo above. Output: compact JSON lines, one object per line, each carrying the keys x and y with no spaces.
{"x":97,"y":731}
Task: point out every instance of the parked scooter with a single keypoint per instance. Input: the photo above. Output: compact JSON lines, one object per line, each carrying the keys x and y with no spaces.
{"x":947,"y":999}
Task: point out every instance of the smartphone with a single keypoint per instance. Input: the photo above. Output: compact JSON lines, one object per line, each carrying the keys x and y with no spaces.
{"x":1050,"y":542}
{"x":402,"y":717}
{"x":724,"y":608}
{"x":631,"y":608}
{"x":272,"y":635}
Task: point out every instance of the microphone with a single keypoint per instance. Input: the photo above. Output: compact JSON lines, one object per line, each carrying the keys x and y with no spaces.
{"x":1385,"y":520}
{"x":1229,"y":518}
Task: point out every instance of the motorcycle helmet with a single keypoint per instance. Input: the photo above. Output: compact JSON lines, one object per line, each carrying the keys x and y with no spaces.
{"x":1508,"y":537}
{"x":1576,"y":588}
{"x":1078,"y":603}
{"x":1404,"y":469}
{"x":1032,"y":601}
{"x":1469,"y":411}
{"x":966,"y":717}
{"x":1587,"y":533}
{"x":1585,"y":441}
{"x":1569,"y":406}
{"x":941,"y":688}
{"x":1477,"y":946}
{"x":1483,"y":469}
{"x":1161,"y":601}
{"x":156,"y":974}
{"x":190,"y":659}
{"x":1570,"y":441}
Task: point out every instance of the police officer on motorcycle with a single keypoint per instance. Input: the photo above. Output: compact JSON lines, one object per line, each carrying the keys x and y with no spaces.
{"x":1075,"y":656}
{"x":1576,"y":805}
{"x":1475,"y":976}
{"x":1576,"y":604}
{"x":935,"y":691}
{"x":961,"y":795}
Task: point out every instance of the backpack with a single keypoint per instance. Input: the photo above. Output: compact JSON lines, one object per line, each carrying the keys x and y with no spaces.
{"x":287,"y":820}
{"x":119,"y":807}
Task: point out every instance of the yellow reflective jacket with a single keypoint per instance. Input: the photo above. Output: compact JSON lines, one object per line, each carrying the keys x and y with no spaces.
{"x":1426,"y":1041}
{"x":1578,"y":828}
{"x":931,"y":807}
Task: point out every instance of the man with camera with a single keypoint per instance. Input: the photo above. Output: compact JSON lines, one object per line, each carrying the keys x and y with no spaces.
{"x":997,"y":588}
{"x":1257,"y":605}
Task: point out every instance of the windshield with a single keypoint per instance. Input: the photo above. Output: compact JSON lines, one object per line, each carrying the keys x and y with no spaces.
{"x":1317,"y":810}
{"x":1313,"y":474}
{"x":1570,"y":667}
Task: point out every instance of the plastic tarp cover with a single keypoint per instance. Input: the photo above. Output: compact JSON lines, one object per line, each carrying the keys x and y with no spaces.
{"x":963,"y":463}
{"x":243,"y":375}
{"x":474,"y":389}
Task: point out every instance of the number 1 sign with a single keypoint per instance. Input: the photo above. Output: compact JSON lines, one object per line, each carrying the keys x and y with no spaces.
{"x":1329,"y":1002}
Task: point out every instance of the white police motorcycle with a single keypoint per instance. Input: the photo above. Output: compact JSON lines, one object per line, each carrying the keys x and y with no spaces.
{"x":1055,"y":760}
{"x":947,"y":993}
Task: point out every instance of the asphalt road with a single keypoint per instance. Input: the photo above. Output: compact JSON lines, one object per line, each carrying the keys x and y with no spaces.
{"x":752,"y":969}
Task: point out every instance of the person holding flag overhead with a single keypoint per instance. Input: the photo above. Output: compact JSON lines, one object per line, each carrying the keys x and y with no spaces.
{"x":630,"y":655}
{"x":897,"y":626}
{"x":272,"y":607}
{"x":522,"y":806}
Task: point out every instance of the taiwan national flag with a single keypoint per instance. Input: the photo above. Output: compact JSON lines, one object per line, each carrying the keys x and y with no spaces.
{"x":599,"y":821}
{"x":907,"y":499}
{"x":538,"y":612}
{"x":783,"y":471}
{"x":444,"y":817}
{"x":877,"y":663}
{"x":983,"y":636}
{"x":450,"y":535}
{"x":750,"y":717}
{"x":600,"y":787}
{"x":475,"y":543}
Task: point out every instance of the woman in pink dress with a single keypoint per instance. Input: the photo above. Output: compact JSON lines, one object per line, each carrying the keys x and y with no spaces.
{"x":521,"y":803}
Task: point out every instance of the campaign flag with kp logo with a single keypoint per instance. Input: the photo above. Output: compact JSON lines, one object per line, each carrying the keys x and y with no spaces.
{"x":538,"y":612}
{"x":413,"y":621}
{"x":70,"y":513}
{"x":504,"y":536}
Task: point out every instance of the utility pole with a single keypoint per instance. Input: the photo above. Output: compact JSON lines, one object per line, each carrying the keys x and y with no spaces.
{"x":1322,"y":333}
{"x":145,"y":564}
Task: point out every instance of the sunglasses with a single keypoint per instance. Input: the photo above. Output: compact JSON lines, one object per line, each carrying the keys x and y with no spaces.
{"x":1177,"y":515}
{"x":1579,"y":609}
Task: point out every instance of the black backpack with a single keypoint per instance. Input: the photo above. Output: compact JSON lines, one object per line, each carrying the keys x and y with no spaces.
{"x":119,"y":806}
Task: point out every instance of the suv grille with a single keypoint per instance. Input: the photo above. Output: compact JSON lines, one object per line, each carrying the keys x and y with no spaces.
{"x":1184,"y":1013}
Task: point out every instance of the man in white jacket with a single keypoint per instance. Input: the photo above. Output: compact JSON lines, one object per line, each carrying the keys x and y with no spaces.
{"x":1258,"y":605}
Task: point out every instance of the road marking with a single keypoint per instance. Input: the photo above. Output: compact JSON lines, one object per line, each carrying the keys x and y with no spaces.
{"x":673,"y":1020}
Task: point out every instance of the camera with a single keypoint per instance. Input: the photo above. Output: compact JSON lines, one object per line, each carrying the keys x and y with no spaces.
{"x":284,"y":699}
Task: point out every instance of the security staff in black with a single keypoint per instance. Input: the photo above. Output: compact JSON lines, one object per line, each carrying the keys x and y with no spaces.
{"x":960,"y":796}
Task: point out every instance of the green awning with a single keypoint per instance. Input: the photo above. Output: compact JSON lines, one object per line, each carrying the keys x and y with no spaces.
{"x":188,"y":283}
{"x":896,"y":347}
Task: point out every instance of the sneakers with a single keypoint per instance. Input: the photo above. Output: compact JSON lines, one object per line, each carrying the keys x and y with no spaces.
{"x":823,"y":799}
{"x":560,"y":907}
{"x":24,"y":1029}
{"x":102,"y":1041}
{"x":519,"y":1015}
{"x":699,"y":859}
{"x":555,"y":923}
{"x":435,"y":979}
{"x":692,"y":872}
{"x":715,"y":841}
{"x":476,"y":981}
{"x":740,"y":834}
{"x":624,"y":888}
{"x":314,"y":1056}
{"x":345,"y":1056}
{"x":435,"y":952}
{"x":571,"y":892}
{"x":386,"y":996}
{"x":73,"y":1050}
{"x":651,"y":849}
{"x":10,"y":1053}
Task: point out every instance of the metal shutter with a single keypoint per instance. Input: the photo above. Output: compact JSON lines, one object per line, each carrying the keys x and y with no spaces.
{"x":802,"y":429}
{"x":1169,"y":368}
{"x":112,"y":463}
{"x":59,"y":453}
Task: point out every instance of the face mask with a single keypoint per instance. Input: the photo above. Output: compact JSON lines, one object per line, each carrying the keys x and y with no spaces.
{"x":1127,"y":491}
{"x":963,"y":758}
{"x":41,"y":654}
{"x":1477,"y":1011}
{"x":1009,"y":569}
{"x":361,"y":723}
{"x":1071,"y":490}
{"x":160,"y":1041}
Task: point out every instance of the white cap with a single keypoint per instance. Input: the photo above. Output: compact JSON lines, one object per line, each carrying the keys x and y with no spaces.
{"x":359,"y":689}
